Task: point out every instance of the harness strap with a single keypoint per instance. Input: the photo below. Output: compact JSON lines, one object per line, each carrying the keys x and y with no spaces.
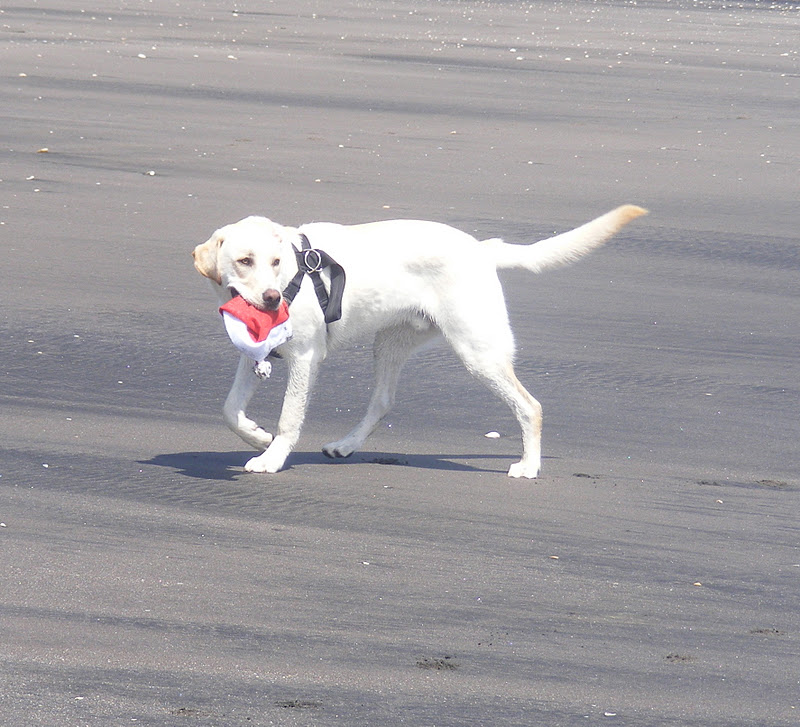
{"x":311,"y":261}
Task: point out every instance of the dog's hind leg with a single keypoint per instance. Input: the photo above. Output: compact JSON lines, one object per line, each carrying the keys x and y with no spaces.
{"x":244,"y":386}
{"x":488,"y":354}
{"x":392,"y":348}
{"x":499,"y":376}
{"x":528,"y":412}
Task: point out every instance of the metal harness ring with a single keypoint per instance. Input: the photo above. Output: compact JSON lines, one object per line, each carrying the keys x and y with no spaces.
{"x":312,"y":259}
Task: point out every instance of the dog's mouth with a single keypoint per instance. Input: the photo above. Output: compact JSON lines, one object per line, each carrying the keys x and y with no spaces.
{"x":234,"y":293}
{"x":271,"y":300}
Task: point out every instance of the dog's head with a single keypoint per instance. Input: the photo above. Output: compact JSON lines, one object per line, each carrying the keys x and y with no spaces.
{"x":253,"y":258}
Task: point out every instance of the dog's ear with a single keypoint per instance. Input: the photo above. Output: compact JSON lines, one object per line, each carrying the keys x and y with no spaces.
{"x":206,"y":259}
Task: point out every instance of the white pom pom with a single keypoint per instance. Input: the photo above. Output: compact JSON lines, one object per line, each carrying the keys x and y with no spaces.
{"x":262,"y":369}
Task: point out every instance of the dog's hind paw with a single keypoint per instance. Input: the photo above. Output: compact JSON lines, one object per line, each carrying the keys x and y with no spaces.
{"x":528,"y":470}
{"x":337,"y":450}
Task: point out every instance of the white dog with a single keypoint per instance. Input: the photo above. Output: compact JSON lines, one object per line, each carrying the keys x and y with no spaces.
{"x":407,"y":282}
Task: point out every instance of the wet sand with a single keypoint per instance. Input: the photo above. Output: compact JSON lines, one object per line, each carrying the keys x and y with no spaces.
{"x":649,"y":577}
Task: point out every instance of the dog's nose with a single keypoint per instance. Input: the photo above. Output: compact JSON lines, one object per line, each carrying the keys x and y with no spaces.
{"x":271,"y":298}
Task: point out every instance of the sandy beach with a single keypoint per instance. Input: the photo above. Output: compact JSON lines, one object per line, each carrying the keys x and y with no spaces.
{"x":650,"y":576}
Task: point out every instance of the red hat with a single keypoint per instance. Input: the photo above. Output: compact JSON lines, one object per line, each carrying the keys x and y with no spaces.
{"x":253,"y":331}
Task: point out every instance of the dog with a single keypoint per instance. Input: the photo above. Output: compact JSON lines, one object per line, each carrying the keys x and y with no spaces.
{"x":407,"y":282}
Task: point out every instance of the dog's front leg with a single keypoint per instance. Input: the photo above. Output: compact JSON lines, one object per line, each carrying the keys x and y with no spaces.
{"x":244,"y":386}
{"x":302,"y":372}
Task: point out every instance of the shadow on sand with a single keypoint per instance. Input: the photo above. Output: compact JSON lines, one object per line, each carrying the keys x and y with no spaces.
{"x":229,"y":465}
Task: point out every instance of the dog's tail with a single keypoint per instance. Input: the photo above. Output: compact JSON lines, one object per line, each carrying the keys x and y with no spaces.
{"x":566,"y":247}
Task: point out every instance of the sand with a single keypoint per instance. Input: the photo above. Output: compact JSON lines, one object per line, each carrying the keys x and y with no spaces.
{"x":649,"y":577}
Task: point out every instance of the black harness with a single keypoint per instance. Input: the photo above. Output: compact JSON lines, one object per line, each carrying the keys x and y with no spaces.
{"x":311,"y":262}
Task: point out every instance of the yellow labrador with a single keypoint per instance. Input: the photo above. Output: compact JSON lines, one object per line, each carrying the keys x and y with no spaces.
{"x":408,"y":281}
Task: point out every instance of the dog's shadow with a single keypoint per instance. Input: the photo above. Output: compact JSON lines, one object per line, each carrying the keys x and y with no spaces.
{"x":229,"y":466}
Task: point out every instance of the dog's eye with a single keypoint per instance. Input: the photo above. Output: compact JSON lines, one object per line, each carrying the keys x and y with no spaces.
{"x":246,"y":261}
{"x":276,"y":262}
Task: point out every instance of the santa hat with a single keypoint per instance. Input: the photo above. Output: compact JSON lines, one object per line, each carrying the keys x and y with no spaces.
{"x":255,"y":332}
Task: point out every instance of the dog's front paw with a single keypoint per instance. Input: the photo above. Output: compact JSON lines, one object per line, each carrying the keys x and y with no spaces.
{"x":248,"y":430}
{"x":261,"y":465}
{"x":338,"y":450}
{"x":257,"y":438}
{"x":271,"y":461}
{"x":528,"y":470}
